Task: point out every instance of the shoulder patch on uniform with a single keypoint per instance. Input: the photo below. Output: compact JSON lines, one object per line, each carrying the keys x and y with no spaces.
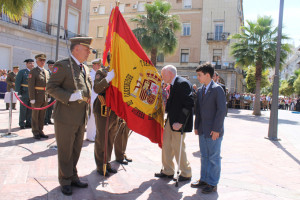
{"x":55,"y":69}
{"x":29,"y":75}
{"x":97,"y":76}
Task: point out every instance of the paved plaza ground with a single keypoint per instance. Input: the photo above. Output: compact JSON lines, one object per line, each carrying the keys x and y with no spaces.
{"x":252,"y":167}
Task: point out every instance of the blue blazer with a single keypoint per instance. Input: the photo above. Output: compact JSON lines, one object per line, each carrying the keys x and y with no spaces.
{"x":210,"y":110}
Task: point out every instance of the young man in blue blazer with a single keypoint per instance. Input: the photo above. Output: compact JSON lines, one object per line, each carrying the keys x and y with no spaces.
{"x":209,"y":125}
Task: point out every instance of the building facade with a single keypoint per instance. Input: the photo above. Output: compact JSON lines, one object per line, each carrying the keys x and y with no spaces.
{"x":292,"y":64}
{"x":37,"y":33}
{"x":205,"y":24}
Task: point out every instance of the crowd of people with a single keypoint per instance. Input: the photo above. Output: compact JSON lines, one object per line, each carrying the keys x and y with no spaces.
{"x":246,"y":100}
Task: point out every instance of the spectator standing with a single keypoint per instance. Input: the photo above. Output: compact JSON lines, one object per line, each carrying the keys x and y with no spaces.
{"x":209,"y":126}
{"x":10,"y":80}
{"x":180,"y":99}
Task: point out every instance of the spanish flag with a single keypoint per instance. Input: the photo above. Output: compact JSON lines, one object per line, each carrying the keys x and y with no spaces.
{"x":135,"y":94}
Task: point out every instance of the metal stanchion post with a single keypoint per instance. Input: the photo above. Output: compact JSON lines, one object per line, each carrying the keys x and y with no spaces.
{"x":9,"y":134}
{"x":10,"y":112}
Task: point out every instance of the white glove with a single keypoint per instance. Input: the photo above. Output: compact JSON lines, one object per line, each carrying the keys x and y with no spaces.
{"x":32,"y":101}
{"x":49,"y":99}
{"x":110,"y":76}
{"x":76,"y":96}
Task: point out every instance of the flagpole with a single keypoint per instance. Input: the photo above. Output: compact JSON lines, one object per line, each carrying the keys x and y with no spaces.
{"x":106,"y":141}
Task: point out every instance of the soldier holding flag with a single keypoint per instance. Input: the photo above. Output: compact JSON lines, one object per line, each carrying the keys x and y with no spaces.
{"x":101,"y":112}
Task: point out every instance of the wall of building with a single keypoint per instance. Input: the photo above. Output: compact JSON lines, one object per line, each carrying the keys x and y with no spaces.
{"x":19,"y":42}
{"x":200,"y":15}
{"x":191,"y":15}
{"x":24,"y":44}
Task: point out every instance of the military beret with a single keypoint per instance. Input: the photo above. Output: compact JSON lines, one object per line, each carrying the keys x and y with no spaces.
{"x":16,"y":67}
{"x":29,"y":60}
{"x":49,"y":62}
{"x":40,"y":56}
{"x":86,"y":41}
{"x":97,"y":61}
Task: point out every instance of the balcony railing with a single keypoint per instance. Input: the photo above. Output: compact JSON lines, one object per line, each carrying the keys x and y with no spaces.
{"x":223,"y":65}
{"x":217,"y":37}
{"x":39,"y":26}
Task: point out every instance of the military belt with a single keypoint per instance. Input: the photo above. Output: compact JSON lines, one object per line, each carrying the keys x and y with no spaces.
{"x":104,"y":112}
{"x":40,"y":88}
{"x":24,"y":85}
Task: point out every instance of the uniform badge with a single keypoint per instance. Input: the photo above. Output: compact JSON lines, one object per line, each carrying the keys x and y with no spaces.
{"x":55,"y":69}
{"x":97,"y":76}
{"x":29,"y":75}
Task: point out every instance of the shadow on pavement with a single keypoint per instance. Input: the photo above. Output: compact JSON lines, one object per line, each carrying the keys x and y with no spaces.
{"x":35,"y":156}
{"x":159,"y":191}
{"x":13,"y":130}
{"x":23,"y":141}
{"x":261,"y":119}
{"x":276,"y":143}
{"x":154,"y":190}
{"x":198,"y":195}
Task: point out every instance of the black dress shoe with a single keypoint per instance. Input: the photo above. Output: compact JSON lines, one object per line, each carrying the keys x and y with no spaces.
{"x":79,"y":184}
{"x":162,"y":175}
{"x":37,"y":137}
{"x":123,"y":162}
{"x":198,"y":184}
{"x":50,"y":122}
{"x":127,"y":159}
{"x":44,"y":136}
{"x":45,"y":123}
{"x":209,"y":189}
{"x":28,"y":126}
{"x":182,"y":178}
{"x":66,"y":189}
{"x":111,"y":170}
{"x":22,"y":127}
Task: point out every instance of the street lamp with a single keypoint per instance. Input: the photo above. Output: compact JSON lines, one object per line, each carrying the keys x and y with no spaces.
{"x":94,"y":51}
{"x":273,"y":123}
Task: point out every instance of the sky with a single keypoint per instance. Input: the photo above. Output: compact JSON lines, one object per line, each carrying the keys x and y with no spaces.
{"x":291,"y":15}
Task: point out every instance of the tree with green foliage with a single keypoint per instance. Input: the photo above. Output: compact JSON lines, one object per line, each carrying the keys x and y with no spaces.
{"x":256,"y":46}
{"x":156,"y":30}
{"x":251,"y":82}
{"x":15,"y":9}
{"x":297,"y":86}
{"x":286,"y":89}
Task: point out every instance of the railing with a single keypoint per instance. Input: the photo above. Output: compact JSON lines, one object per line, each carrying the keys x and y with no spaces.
{"x":39,"y":26}
{"x":217,"y":37}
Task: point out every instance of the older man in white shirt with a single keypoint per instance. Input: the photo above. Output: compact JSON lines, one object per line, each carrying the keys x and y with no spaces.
{"x":91,"y":126}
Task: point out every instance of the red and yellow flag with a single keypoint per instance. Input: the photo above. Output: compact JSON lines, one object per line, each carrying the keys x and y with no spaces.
{"x":135,"y":93}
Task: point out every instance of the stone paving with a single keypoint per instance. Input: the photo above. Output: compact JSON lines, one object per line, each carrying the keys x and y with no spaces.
{"x":252,"y":166}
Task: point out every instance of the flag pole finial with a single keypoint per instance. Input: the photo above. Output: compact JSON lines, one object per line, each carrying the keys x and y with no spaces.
{"x":117,"y":3}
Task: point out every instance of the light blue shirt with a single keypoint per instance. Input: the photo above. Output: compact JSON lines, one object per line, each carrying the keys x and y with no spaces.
{"x":206,"y":87}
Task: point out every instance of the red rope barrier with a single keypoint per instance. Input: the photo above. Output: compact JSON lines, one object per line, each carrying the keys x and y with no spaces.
{"x":34,"y":108}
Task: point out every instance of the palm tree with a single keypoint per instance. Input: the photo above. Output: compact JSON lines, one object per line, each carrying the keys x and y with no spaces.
{"x":156,"y":30}
{"x":256,"y":46}
{"x":15,"y":9}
